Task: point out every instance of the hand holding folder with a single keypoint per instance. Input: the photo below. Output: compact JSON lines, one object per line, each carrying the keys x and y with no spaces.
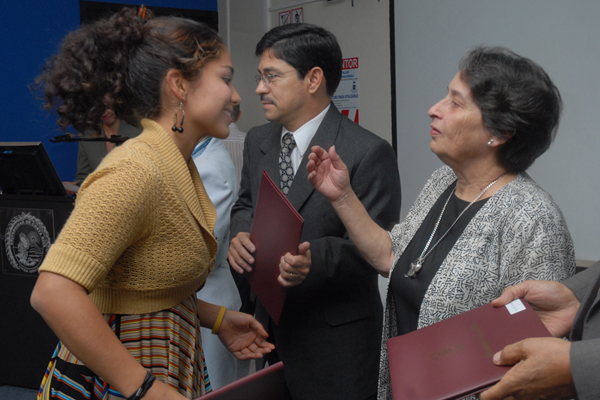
{"x":453,"y":358}
{"x":276,"y":230}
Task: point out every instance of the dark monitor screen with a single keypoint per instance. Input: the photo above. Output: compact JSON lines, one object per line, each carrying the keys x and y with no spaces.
{"x":26,"y":169}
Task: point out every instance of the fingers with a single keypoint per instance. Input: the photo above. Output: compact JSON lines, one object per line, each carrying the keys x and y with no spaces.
{"x":333,"y":155}
{"x":263,"y":346}
{"x":289,"y":275}
{"x":246,"y":354}
{"x":244,"y":239}
{"x":240,"y":249}
{"x":499,"y":391}
{"x":260,"y":346}
{"x":314,"y":157}
{"x":512,"y":293}
{"x":318,"y":151}
{"x":541,"y":371}
{"x":286,"y":283}
{"x":294,"y":269}
{"x":511,"y":354}
{"x":303,"y":247}
{"x":236,"y":261}
{"x":260,"y":330}
{"x":336,"y":160}
{"x":312,"y":173}
{"x":256,"y":349}
{"x":314,"y":161}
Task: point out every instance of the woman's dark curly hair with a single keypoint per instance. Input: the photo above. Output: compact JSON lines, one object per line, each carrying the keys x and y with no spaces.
{"x":518,"y":102}
{"x":120,"y":63}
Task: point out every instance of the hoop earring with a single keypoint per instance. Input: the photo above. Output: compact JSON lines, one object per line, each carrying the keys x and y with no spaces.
{"x":174,"y":128}
{"x":491,"y":142}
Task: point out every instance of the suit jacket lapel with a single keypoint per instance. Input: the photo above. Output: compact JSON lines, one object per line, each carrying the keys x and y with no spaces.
{"x":586,"y":307}
{"x":325,"y":137}
{"x":270,"y":148}
{"x":593,"y":309}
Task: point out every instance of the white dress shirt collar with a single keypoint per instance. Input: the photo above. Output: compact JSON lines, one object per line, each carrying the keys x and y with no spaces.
{"x":303,"y":136}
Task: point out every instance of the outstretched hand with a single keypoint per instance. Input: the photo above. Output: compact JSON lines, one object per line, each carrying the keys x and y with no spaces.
{"x":244,"y":336}
{"x":328,"y":173}
{"x":554,"y":303}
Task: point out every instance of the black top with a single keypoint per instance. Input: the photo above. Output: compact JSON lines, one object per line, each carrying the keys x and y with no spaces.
{"x":408,"y":293}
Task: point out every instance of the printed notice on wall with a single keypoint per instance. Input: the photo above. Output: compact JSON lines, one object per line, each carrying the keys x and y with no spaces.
{"x":345,"y":97}
{"x":296,"y":16}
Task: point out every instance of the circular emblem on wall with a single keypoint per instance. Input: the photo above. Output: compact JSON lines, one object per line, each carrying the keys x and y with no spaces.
{"x":26,"y":242}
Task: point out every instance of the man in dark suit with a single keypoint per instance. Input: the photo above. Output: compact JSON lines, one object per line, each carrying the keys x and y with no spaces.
{"x":329,"y":333}
{"x":553,"y":368}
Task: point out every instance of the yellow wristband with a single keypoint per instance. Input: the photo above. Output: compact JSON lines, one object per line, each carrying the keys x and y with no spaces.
{"x":219,"y":320}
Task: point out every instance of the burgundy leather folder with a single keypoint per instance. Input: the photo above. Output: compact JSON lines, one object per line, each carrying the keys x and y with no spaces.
{"x":453,"y":358}
{"x":275,"y":231}
{"x":265,"y":384}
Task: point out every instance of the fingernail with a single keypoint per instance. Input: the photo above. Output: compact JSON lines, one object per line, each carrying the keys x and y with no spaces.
{"x":497,"y":358}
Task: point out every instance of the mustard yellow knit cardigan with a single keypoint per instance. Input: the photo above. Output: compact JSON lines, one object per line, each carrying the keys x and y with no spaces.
{"x":140,"y":237}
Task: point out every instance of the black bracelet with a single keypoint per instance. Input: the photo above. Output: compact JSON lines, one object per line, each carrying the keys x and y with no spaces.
{"x":148,"y":381}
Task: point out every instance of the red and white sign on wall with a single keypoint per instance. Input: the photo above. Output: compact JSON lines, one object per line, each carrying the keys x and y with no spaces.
{"x":346,"y":97}
{"x":285,"y":17}
{"x":295,"y":16}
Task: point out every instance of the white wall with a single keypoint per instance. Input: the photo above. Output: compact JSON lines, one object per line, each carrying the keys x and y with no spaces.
{"x":362,"y":31}
{"x":562,"y":36}
{"x":241,"y":24}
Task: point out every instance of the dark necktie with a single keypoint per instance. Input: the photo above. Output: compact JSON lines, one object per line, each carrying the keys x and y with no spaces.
{"x":286,"y":169}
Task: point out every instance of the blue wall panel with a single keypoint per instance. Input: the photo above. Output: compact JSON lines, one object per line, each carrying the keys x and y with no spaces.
{"x":31,"y":31}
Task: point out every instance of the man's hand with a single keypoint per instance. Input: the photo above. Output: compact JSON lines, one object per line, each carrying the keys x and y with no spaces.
{"x":240,"y":253}
{"x":554,"y":303}
{"x":294,"y":269}
{"x":542,"y":371}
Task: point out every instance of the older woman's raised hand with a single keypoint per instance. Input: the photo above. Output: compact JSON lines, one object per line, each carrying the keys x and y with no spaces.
{"x":328,"y":173}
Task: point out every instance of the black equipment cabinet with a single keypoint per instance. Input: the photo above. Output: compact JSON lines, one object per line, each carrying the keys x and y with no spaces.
{"x":28,"y":225}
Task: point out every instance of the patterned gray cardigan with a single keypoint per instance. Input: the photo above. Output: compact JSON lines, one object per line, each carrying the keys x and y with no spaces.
{"x":519,"y":234}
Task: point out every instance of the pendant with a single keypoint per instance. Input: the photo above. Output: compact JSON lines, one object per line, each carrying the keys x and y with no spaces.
{"x":415,"y":267}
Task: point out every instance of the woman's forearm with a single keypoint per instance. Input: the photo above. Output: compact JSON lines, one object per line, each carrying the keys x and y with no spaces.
{"x":207,"y":313}
{"x":67,"y":309}
{"x":372,"y":241}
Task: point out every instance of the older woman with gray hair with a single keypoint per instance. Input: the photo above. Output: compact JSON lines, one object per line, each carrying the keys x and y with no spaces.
{"x":480,"y":224}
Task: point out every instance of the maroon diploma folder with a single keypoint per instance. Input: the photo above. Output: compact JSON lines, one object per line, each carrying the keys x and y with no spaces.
{"x":453,"y":358}
{"x":275,"y":231}
{"x":265,"y":384}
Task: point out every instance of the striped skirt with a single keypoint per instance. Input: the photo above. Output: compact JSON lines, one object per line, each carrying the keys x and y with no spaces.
{"x":167,"y":343}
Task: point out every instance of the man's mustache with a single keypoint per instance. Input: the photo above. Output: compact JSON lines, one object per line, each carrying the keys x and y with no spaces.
{"x":266,"y":99}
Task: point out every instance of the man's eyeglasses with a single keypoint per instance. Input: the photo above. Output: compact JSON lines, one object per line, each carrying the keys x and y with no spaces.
{"x":268,"y":78}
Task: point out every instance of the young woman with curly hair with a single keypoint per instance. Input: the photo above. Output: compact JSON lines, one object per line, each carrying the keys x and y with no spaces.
{"x":119,"y":284}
